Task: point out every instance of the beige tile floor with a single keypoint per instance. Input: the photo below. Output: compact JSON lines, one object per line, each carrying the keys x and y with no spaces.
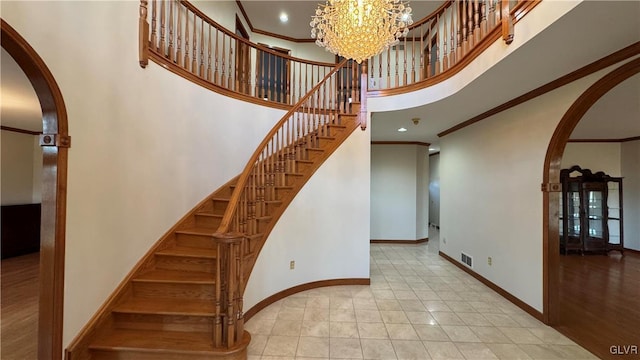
{"x":418,"y":306}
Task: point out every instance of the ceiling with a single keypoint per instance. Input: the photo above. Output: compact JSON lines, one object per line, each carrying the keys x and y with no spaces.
{"x":19,"y":106}
{"x":553,"y":57}
{"x":544,"y":58}
{"x":265,"y":15}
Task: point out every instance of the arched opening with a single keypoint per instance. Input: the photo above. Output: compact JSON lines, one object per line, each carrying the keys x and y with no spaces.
{"x":551,"y":177}
{"x":55,"y":141}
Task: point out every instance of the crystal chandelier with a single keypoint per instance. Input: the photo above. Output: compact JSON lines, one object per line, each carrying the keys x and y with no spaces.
{"x":360,"y":29}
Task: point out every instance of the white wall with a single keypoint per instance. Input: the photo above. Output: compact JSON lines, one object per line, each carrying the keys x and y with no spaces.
{"x":21,"y":175}
{"x":399,"y":196}
{"x":422,"y":192}
{"x":434,"y":189}
{"x":593,"y":156}
{"x":491,"y":203}
{"x":630,"y":159}
{"x":328,"y":235}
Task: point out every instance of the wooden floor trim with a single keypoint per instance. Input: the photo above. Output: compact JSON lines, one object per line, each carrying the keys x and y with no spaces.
{"x":302,"y":287}
{"x":634,"y":251}
{"x":504,"y":293}
{"x":384,"y":241}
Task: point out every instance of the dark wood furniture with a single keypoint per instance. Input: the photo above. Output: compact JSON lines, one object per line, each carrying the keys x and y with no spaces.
{"x":590,"y":212}
{"x":20,"y":229}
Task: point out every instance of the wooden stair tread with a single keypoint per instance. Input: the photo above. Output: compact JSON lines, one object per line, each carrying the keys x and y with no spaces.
{"x":220,"y":199}
{"x":204,"y":213}
{"x":154,"y":341}
{"x":198,"y":230}
{"x":188,"y":252}
{"x":159,"y":306}
{"x":177,"y":276}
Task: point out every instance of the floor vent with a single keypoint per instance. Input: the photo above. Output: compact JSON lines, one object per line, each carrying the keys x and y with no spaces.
{"x":467,"y":260}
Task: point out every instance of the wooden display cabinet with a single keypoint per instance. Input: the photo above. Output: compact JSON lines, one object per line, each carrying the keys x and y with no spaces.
{"x":590,"y":212}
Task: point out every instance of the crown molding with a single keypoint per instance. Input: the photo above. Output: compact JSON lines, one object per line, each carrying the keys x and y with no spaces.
{"x":21,"y":131}
{"x":634,"y":138}
{"x":611,"y":59}
{"x":400,"y":143}
{"x":267,"y":33}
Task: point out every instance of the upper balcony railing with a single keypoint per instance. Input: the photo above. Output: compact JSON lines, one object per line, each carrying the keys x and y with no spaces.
{"x":180,"y":37}
{"x":448,"y":38}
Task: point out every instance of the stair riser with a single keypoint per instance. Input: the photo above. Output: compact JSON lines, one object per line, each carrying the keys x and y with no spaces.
{"x":256,"y":226}
{"x":277,"y":194}
{"x":163,"y":322}
{"x":159,"y":355}
{"x":324,"y":142}
{"x":185,"y":263}
{"x":301,"y":167}
{"x":219,"y":207}
{"x":196,"y":241}
{"x":313,"y":154}
{"x":173,"y":290}
{"x":208,"y":222}
{"x":333,"y":131}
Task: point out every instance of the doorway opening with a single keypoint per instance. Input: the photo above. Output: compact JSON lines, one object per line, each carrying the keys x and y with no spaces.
{"x":55,"y":142}
{"x":599,"y":334}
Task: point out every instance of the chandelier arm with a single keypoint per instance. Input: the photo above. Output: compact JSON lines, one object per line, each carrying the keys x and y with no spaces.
{"x":360,"y":29}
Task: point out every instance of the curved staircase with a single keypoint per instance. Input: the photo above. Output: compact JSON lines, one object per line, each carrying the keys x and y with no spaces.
{"x":184,"y":298}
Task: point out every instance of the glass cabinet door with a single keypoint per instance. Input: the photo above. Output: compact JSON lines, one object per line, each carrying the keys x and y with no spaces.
{"x":595,"y":218}
{"x":614,"y":218}
{"x":573,"y":210}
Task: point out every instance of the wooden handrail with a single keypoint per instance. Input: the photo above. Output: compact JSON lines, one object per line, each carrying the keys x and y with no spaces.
{"x":431,"y":16}
{"x":242,"y":180}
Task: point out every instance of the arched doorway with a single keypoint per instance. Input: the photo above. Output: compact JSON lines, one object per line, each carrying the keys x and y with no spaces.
{"x":55,"y":141}
{"x":551,"y":177}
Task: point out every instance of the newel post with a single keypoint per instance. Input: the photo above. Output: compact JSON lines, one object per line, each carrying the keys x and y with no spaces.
{"x":507,"y":23}
{"x":143,"y":34}
{"x":228,"y":326}
{"x":363,"y":96}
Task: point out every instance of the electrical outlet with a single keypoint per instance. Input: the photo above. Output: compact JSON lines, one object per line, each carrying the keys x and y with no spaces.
{"x":292,"y":264}
{"x":489,"y":260}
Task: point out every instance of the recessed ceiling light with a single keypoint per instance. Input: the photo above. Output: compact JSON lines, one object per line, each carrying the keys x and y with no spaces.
{"x":284,"y":17}
{"x":402,"y":129}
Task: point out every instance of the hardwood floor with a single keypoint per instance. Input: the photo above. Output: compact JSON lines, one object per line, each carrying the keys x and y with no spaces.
{"x":600,"y":303}
{"x":19,"y":308}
